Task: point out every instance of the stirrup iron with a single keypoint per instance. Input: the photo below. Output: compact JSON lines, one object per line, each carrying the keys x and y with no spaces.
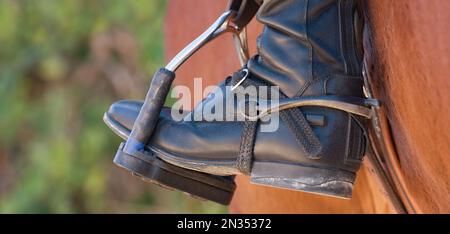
{"x":134,"y":156}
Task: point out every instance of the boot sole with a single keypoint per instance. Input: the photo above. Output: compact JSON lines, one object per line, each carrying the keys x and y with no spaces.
{"x":334,"y":183}
{"x":322,"y":181}
{"x":150,"y":168}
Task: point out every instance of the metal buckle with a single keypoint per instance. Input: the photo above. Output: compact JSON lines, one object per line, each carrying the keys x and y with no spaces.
{"x":241,"y":80}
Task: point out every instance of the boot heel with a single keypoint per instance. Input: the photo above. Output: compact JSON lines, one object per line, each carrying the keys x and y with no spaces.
{"x":196,"y":184}
{"x":334,"y":183}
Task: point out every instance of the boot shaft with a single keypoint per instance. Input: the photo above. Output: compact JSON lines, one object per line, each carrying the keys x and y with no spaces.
{"x":305,"y":41}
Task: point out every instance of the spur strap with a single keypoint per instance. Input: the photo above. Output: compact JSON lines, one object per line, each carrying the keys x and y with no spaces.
{"x":245,"y":158}
{"x":293,"y":117}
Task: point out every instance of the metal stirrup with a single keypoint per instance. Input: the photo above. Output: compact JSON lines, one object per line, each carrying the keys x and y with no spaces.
{"x":162,"y":80}
{"x":220,"y":26}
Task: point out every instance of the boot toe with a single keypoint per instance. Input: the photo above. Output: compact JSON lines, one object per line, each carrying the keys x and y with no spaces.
{"x":124,"y":112}
{"x":121,"y":115}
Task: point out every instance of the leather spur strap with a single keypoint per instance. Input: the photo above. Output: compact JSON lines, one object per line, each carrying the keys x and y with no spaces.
{"x":292,"y":116}
{"x":245,"y":158}
{"x":294,"y":119}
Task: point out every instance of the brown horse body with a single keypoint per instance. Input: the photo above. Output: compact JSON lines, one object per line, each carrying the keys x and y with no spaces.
{"x":408,"y":69}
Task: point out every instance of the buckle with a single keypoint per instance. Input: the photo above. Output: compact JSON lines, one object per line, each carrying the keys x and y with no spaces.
{"x":241,"y":80}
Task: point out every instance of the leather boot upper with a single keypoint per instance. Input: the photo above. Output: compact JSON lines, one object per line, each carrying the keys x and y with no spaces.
{"x":307,"y":48}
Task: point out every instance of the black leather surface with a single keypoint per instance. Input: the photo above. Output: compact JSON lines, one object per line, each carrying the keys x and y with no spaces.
{"x":307,"y":48}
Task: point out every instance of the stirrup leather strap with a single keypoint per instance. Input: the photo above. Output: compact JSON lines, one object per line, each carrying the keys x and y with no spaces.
{"x":244,"y":10}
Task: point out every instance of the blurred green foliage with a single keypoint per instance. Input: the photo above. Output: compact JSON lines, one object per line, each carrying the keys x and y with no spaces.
{"x":62,"y":63}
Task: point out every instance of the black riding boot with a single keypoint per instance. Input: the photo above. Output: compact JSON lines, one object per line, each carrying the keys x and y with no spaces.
{"x":310,"y":50}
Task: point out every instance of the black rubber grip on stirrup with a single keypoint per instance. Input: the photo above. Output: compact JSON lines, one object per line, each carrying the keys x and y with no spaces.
{"x":245,"y":11}
{"x":148,"y":116}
